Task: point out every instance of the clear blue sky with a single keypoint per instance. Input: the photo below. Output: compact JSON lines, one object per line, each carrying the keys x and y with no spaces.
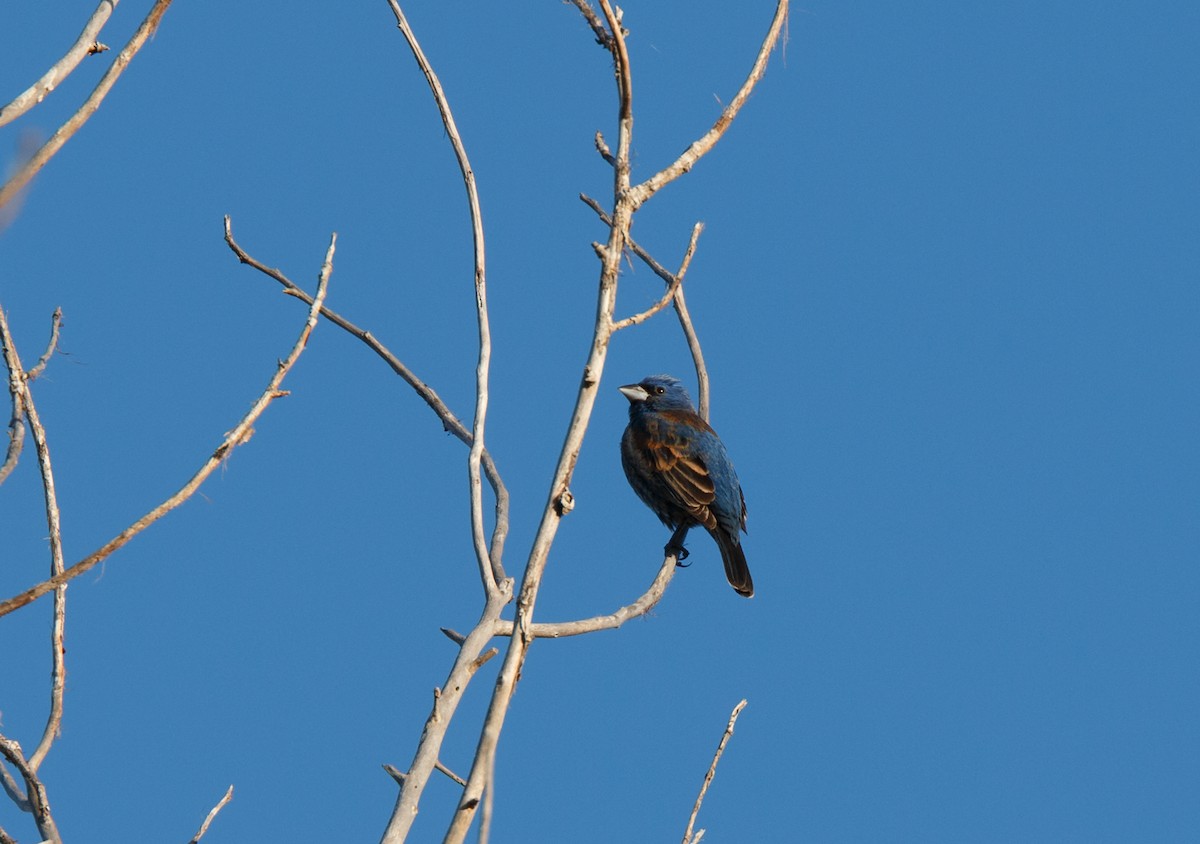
{"x":949,"y":292}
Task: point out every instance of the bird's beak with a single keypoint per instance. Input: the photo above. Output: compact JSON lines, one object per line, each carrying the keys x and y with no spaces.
{"x":634,"y":392}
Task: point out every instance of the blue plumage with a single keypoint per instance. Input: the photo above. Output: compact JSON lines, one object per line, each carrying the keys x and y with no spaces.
{"x":678,"y":466}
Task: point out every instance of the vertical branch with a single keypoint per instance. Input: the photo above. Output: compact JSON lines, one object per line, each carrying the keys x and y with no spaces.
{"x":53,"y":522}
{"x":560,"y":495}
{"x":16,"y":391}
{"x":23,"y":401}
{"x":486,"y":564}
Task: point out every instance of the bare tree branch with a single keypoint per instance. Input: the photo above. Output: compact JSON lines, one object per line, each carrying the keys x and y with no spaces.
{"x":51,"y":346}
{"x":673,"y":286}
{"x":486,"y":564}
{"x":16,"y":391}
{"x":54,"y":524}
{"x":706,"y":142}
{"x":685,"y":318}
{"x":211,"y":816}
{"x":84,"y":46}
{"x":240,"y":434}
{"x":450,"y":422}
{"x":38,"y":160}
{"x":643,"y":605}
{"x":712,"y":772}
{"x":554,"y":511}
{"x":38,"y":804}
{"x":595,"y":22}
{"x":23,"y":401}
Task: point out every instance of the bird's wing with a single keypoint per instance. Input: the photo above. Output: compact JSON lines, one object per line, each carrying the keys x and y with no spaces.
{"x":680,"y":465}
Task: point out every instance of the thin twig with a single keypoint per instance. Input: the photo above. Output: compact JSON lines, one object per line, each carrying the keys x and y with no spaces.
{"x":47,"y":151}
{"x":594,"y":21}
{"x":51,"y":346}
{"x":84,"y":46}
{"x":644,"y":603}
{"x":240,"y":434}
{"x":450,"y":422}
{"x":211,"y":815}
{"x":712,"y":772}
{"x":450,"y":773}
{"x":672,"y":288}
{"x":16,"y":391}
{"x":700,"y":147}
{"x":681,"y":310}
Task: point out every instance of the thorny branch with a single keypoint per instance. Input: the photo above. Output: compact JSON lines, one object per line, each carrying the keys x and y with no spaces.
{"x":240,"y":434}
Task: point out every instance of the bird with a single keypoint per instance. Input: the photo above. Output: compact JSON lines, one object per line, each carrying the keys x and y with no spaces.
{"x":679,"y":467}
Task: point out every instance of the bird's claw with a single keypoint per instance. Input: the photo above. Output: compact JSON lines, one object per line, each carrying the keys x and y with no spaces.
{"x":680,"y":554}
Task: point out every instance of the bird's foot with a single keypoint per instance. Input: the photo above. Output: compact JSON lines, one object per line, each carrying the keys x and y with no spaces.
{"x":680,"y":553}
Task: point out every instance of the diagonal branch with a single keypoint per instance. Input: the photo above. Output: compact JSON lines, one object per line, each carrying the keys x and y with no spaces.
{"x":700,"y":147}
{"x":212,"y":814}
{"x":673,"y":286}
{"x":712,"y":772}
{"x":47,"y":151}
{"x":51,"y":346}
{"x":450,"y":422}
{"x":595,"y":22}
{"x":84,"y":46}
{"x":240,"y":434}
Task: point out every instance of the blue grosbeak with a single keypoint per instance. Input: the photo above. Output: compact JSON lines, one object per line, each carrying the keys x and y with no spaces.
{"x":677,"y":464}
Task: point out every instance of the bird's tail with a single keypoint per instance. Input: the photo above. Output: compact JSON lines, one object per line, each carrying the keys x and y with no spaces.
{"x":736,"y":570}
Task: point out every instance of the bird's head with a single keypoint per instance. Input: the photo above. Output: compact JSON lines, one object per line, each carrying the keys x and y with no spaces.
{"x":657,"y":392}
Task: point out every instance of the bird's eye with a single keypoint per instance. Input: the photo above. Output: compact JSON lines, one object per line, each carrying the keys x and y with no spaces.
{"x":658,"y":391}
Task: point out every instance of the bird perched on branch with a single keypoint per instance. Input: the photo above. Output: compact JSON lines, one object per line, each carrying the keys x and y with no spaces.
{"x":677,"y":464}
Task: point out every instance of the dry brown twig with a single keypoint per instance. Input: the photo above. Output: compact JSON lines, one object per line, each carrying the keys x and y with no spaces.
{"x":84,"y":46}
{"x":688,"y":838}
{"x":240,"y":434}
{"x":38,"y":160}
